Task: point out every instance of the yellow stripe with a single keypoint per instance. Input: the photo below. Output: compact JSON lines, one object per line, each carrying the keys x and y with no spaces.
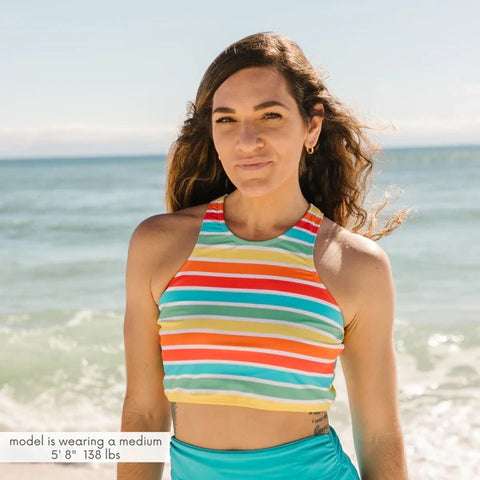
{"x":251,"y":254}
{"x":297,"y":332}
{"x":215,"y":399}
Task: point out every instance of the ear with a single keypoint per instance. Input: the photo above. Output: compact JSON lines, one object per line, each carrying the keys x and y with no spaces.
{"x":315,"y":124}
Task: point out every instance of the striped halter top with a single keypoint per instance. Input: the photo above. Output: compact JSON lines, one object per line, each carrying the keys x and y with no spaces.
{"x":250,"y":323}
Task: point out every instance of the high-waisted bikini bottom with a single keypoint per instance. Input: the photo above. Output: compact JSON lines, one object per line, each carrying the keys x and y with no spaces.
{"x":319,"y":457}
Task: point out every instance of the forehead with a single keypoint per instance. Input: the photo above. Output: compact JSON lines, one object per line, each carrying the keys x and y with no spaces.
{"x":252,"y":85}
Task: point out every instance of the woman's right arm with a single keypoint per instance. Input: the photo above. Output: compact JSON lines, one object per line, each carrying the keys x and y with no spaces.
{"x":145,"y":408}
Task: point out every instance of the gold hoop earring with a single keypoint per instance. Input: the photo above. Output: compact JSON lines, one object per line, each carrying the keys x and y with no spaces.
{"x":309,"y":150}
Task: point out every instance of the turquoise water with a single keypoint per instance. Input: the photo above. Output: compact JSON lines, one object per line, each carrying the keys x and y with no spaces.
{"x":66,"y":224}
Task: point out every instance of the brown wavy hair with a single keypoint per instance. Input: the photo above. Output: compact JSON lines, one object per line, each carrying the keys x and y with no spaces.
{"x":336,"y":177}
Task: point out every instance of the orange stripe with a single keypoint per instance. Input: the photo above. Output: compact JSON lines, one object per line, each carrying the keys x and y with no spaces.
{"x":253,"y":269}
{"x":215,"y":206}
{"x":220,"y":339}
{"x":313,"y":218}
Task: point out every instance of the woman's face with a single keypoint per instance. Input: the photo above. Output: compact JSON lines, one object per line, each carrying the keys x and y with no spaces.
{"x":258,"y":131}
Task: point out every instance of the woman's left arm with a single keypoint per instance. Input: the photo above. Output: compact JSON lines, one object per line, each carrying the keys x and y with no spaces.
{"x":369,"y":366}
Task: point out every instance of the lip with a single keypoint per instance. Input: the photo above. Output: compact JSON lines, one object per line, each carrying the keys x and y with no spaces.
{"x":253,"y":164}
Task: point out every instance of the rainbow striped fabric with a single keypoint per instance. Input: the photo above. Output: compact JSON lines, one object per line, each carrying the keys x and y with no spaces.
{"x":250,"y":323}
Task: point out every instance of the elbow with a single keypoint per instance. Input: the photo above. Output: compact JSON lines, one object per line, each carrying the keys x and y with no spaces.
{"x":145,"y":418}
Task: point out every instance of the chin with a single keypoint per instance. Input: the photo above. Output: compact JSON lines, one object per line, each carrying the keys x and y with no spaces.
{"x":255,"y":188}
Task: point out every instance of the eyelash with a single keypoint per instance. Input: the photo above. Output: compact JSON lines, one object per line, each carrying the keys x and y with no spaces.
{"x":276,"y":115}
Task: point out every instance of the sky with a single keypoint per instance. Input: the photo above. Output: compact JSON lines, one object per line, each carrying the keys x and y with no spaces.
{"x":113,"y":77}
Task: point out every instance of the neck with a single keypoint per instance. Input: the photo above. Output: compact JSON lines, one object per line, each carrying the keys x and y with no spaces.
{"x":264,"y":217}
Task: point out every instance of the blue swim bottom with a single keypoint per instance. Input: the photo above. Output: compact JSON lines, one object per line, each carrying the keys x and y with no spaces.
{"x":319,"y":457}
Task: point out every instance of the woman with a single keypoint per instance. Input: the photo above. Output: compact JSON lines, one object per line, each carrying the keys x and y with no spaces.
{"x":264,"y":272}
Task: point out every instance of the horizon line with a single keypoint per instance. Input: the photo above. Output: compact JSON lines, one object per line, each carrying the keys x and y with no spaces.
{"x":154,"y":154}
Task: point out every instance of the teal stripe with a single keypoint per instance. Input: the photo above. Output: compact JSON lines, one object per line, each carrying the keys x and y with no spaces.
{"x":282,"y":393}
{"x":253,"y":299}
{"x":211,"y":226}
{"x":247,"y":371}
{"x":299,"y":234}
{"x":222,"y":230}
{"x":249,"y":312}
{"x":214,"y":240}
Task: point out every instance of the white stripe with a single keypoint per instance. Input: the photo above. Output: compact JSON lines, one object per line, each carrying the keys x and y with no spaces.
{"x":249,"y":379}
{"x":247,"y":349}
{"x":250,"y":364}
{"x":255,"y":291}
{"x":266,"y":307}
{"x":246,"y":275}
{"x":252,"y":320}
{"x":254,"y":262}
{"x":253,"y":334}
{"x":248,"y":395}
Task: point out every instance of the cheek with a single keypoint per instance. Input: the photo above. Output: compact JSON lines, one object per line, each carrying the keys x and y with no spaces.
{"x":289,"y":143}
{"x":289,"y":135}
{"x":221,"y":141}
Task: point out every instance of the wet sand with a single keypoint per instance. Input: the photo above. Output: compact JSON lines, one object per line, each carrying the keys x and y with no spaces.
{"x":55,"y":471}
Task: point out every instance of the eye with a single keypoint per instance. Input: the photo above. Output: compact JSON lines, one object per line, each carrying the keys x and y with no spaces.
{"x":267,"y":116}
{"x":272,"y":115}
{"x":224,"y":120}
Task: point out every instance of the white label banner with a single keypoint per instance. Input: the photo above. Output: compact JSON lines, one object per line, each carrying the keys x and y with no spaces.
{"x":85,"y":447}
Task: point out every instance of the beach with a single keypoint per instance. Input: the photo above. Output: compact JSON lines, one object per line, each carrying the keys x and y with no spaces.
{"x":25,"y":471}
{"x":66,"y":225}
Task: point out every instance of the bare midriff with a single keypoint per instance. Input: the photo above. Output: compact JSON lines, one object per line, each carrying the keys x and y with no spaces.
{"x":224,"y":427}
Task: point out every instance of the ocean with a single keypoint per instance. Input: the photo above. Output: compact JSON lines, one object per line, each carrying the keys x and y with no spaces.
{"x":65,"y":229}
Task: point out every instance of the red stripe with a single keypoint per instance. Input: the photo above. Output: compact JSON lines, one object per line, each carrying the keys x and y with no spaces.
{"x":254,"y":269}
{"x":307,"y":226}
{"x":192,"y":281}
{"x":251,"y":357}
{"x":213,"y":216}
{"x":315,"y":292}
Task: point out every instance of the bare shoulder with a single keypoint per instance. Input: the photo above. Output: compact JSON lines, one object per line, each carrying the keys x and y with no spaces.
{"x":352,"y":265}
{"x":165,"y":242}
{"x":168,"y":227}
{"x":362,"y":258}
{"x":362,"y":251}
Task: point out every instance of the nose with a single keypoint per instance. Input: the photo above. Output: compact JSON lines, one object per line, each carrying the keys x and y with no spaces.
{"x":248,"y":138}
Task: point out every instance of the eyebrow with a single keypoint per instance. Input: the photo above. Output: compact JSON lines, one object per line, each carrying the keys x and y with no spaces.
{"x":261,"y":106}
